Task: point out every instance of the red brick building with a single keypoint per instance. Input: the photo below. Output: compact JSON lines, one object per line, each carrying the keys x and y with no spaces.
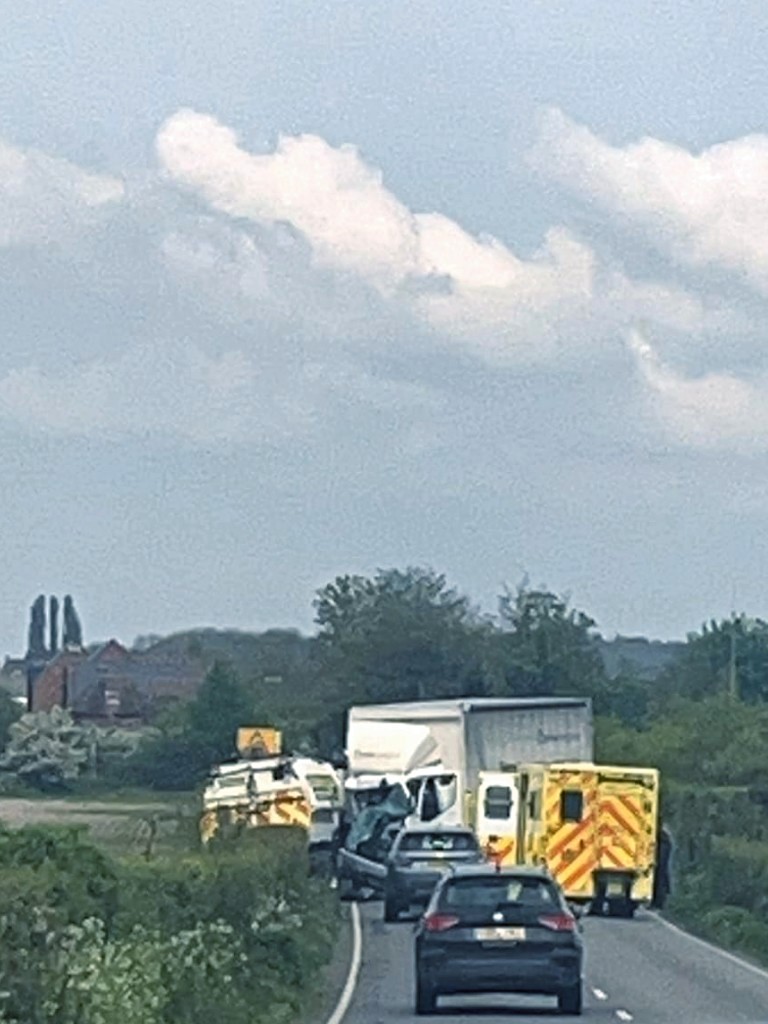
{"x":111,"y":684}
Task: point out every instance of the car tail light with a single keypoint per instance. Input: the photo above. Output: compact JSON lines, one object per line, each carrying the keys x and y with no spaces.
{"x":558,"y":922}
{"x":440,"y":922}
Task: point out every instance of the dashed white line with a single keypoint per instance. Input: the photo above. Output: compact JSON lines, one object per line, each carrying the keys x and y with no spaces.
{"x":624,"y":1015}
{"x":599,"y":994}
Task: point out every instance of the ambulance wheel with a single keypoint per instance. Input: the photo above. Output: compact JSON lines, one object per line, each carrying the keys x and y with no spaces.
{"x":627,"y":909}
{"x":624,"y":908}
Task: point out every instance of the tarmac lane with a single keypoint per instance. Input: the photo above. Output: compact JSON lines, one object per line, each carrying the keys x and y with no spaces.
{"x":642,"y":970}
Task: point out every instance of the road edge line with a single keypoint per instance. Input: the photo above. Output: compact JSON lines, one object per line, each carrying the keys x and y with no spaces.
{"x":734,"y":958}
{"x":354,"y":969}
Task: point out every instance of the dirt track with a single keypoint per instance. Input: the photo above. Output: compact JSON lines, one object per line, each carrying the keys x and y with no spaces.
{"x":17,"y":811}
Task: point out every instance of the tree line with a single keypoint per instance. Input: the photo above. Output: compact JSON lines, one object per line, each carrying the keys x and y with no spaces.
{"x":407,"y":634}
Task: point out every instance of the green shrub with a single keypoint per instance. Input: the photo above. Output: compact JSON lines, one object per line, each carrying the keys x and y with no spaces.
{"x":233,"y":934}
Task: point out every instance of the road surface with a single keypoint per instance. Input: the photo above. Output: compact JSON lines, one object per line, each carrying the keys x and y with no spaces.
{"x":640,"y":970}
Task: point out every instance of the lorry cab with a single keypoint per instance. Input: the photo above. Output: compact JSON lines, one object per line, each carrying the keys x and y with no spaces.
{"x":496,"y":816}
{"x":436,"y":797}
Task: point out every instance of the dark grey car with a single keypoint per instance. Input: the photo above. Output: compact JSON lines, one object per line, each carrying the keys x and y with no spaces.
{"x":498,"y":930}
{"x":419,"y":858}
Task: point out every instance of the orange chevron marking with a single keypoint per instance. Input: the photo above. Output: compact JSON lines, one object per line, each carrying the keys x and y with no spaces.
{"x":631,"y":805}
{"x":610,"y":808}
{"x":567,"y":840}
{"x":609,"y":854}
{"x":569,"y":882}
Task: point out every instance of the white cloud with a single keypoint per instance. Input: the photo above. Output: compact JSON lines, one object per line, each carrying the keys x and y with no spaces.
{"x":330,"y":195}
{"x":473,"y":288}
{"x":303,"y":269}
{"x":709,"y":208}
{"x":714,"y":410}
{"x":42,"y":197}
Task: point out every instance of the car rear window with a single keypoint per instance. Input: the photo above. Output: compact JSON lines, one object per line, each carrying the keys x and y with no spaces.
{"x":485,"y":892}
{"x":434,"y":842}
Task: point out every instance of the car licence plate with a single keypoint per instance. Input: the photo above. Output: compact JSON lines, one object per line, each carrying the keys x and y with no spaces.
{"x":500,"y":934}
{"x":614,"y":889}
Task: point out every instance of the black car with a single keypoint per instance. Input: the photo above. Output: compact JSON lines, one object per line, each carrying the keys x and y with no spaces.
{"x":418,"y":859}
{"x":489,"y":929}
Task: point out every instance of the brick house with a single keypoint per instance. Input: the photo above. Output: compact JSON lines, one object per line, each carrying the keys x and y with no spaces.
{"x":111,"y":684}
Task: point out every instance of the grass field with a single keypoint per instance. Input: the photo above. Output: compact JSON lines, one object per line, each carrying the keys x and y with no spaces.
{"x":126,"y":824}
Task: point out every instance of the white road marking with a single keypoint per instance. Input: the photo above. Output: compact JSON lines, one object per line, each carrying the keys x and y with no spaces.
{"x":599,"y":994}
{"x":759,"y":971}
{"x":354,"y":969}
{"x":624,"y":1015}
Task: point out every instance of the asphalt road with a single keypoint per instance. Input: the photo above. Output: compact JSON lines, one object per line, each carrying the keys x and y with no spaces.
{"x":640,"y":970}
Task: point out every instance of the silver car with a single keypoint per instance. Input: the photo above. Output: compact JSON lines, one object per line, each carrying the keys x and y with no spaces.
{"x":418,"y":859}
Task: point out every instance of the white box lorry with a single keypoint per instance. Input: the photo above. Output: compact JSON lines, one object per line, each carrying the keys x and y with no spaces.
{"x":456,"y":760}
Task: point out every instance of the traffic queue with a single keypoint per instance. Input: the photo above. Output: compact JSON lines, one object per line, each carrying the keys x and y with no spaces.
{"x":518,"y":773}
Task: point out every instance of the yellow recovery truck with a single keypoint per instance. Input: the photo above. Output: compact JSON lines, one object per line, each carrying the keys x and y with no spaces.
{"x":258,"y":790}
{"x":596,"y":828}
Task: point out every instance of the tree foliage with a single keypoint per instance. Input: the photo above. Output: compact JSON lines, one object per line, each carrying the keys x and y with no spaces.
{"x":400,"y":635}
{"x":235,"y":936}
{"x":725,"y":655}
{"x":10,"y":712}
{"x":545,"y":647}
{"x":47,"y":749}
{"x":191,"y":738}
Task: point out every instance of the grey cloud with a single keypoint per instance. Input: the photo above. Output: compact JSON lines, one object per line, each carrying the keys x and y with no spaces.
{"x":43,"y":198}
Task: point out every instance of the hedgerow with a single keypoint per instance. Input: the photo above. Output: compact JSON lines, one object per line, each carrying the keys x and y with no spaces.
{"x":236,"y":934}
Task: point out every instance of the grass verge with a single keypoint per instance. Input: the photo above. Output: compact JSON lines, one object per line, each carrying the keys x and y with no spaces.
{"x":333,"y":977}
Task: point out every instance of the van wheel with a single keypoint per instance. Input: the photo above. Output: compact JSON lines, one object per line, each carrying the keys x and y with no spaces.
{"x":346,"y":888}
{"x":391,"y":910}
{"x":426,"y":997}
{"x":569,"y":1000}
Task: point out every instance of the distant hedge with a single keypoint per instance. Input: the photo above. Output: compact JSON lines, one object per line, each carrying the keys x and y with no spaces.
{"x":235,"y":935}
{"x":720,"y":864}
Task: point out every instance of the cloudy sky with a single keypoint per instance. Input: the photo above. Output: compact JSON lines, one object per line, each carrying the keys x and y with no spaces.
{"x":293,"y":289}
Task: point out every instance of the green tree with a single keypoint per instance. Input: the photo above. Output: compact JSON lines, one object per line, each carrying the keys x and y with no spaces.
{"x":726,"y":656}
{"x":10,"y":712}
{"x":545,"y":647}
{"x":716,"y":741}
{"x":190,"y":738}
{"x":400,"y":635}
{"x":48,"y":749}
{"x":223,"y":703}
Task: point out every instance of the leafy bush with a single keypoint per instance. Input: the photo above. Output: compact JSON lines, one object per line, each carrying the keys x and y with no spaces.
{"x":47,"y":749}
{"x":234,"y":935}
{"x":189,"y":739}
